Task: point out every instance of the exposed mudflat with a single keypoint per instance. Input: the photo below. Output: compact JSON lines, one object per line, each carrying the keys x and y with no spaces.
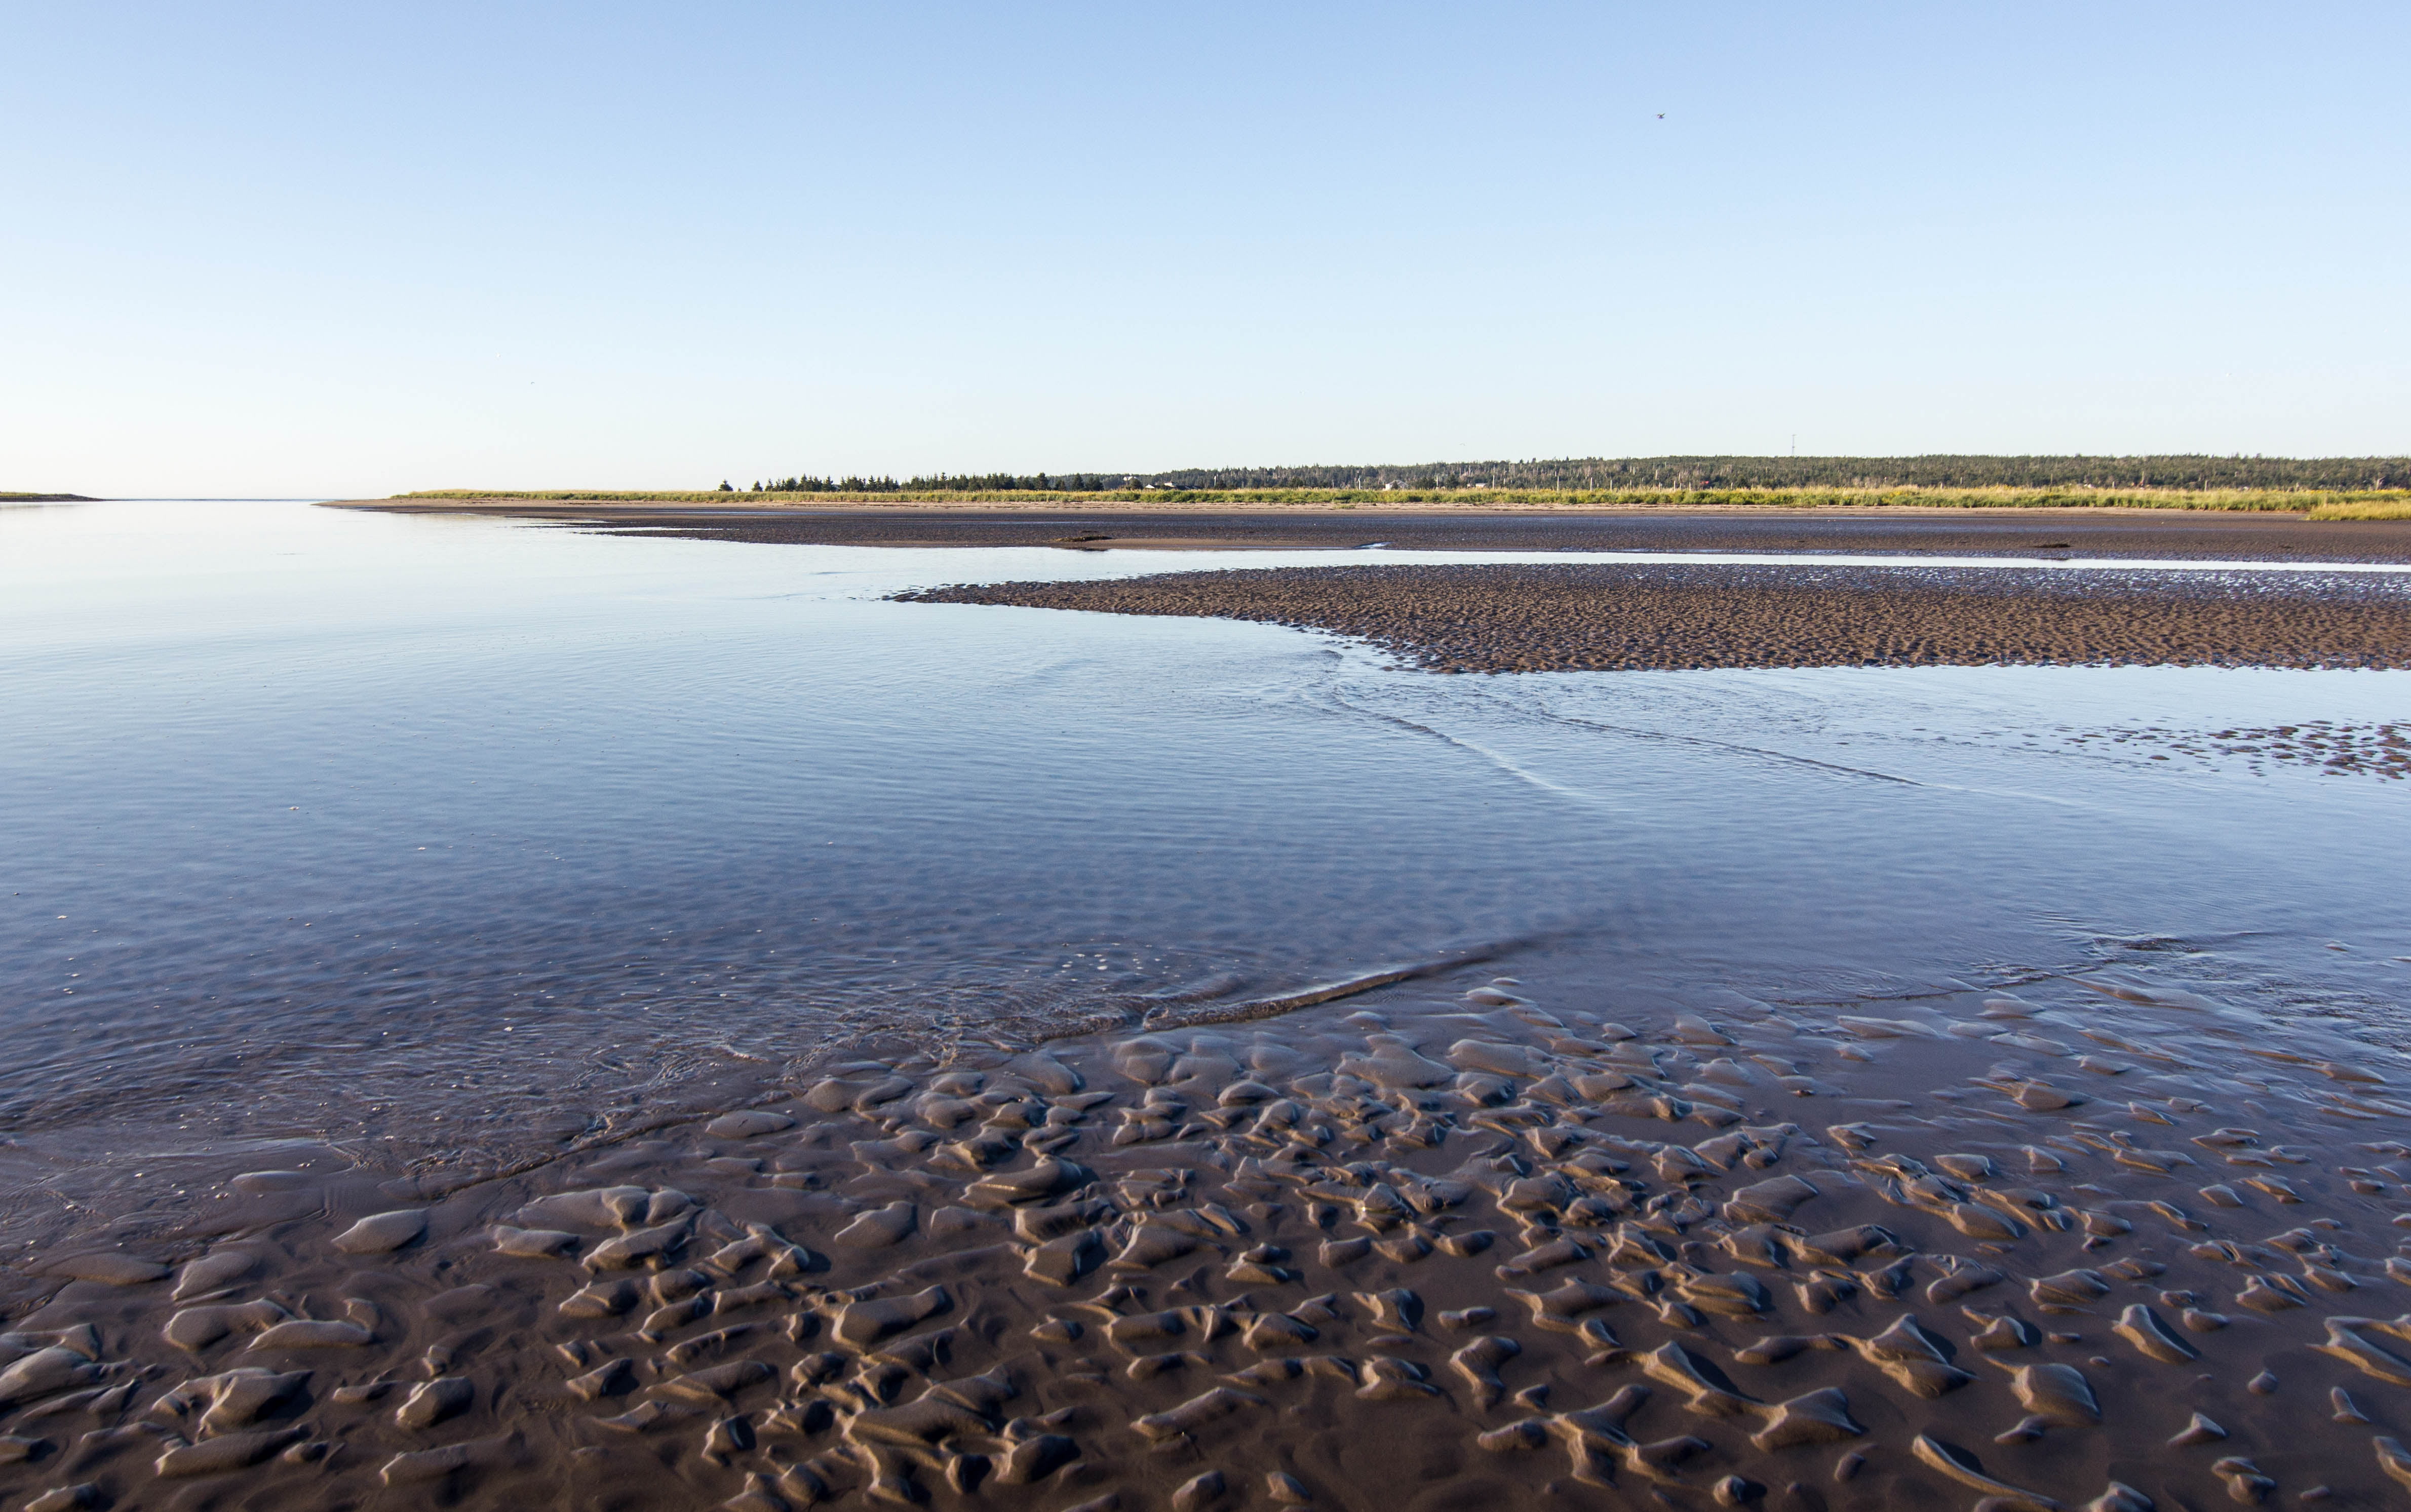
{"x":2042,"y":533}
{"x":1615,"y":617}
{"x":2095,"y":1242}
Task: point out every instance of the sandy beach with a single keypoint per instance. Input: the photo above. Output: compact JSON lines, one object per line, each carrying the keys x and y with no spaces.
{"x":1448,"y":1245}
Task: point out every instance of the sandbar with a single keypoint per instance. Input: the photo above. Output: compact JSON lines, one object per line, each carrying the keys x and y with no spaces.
{"x":1619,"y":616}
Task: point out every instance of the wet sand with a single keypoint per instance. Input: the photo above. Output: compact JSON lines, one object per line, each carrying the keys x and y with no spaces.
{"x":1616,"y":617}
{"x":2094,"y":1241}
{"x":2376,"y":750}
{"x":2044,"y":532}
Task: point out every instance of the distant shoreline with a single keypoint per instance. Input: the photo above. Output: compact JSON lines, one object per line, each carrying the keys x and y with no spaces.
{"x":1889,"y":530}
{"x":2309,"y":503}
{"x":46,"y":498}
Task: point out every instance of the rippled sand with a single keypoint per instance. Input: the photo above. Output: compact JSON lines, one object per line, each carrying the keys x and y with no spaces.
{"x":1600,"y":617}
{"x":2095,"y":1242}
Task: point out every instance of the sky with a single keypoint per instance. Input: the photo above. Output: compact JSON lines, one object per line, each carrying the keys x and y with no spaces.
{"x":347,"y":250}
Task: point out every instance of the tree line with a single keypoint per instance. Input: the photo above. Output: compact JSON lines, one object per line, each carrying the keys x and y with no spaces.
{"x":948,"y":483}
{"x":2181,"y":471}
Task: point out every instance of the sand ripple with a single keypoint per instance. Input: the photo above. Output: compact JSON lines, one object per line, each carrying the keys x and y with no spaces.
{"x":1449,"y":1254}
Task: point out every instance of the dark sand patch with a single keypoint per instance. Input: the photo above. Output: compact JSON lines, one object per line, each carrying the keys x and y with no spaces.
{"x":2042,"y":533}
{"x":1599,"y":616}
{"x":2336,"y":750}
{"x":2097,"y":1242}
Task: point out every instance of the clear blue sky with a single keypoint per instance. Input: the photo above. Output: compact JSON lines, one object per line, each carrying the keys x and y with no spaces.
{"x":364,"y":248}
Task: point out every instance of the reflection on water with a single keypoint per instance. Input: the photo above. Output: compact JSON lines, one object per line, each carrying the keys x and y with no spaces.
{"x":445,"y":839}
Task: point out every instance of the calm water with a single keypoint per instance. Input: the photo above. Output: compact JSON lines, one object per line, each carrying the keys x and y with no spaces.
{"x":445,"y":839}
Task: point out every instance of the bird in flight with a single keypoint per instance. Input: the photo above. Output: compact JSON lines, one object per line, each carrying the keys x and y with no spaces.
{"x":1661,"y":115}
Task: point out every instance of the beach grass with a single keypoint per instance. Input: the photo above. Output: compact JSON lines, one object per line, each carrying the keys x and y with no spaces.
{"x":2364,"y":507}
{"x":2316,"y":503}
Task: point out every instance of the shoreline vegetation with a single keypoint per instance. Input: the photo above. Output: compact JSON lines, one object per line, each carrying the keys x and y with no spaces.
{"x":2363,"y":509}
{"x":2331,"y":488}
{"x":44,"y":498}
{"x":2192,"y":474}
{"x":2315,"y":505}
{"x":2310,"y":504}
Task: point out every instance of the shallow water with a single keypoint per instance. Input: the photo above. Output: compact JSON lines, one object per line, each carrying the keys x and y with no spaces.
{"x":447,"y":840}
